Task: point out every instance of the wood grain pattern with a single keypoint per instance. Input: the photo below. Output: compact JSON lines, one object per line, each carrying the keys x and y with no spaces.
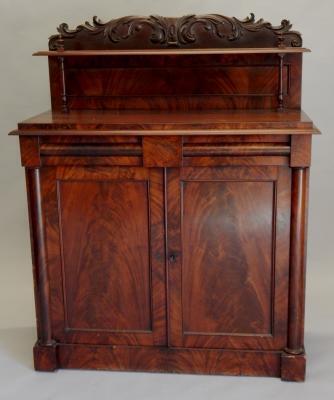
{"x":29,"y":149}
{"x":236,"y":150}
{"x":91,"y":123}
{"x":159,"y":151}
{"x":293,"y":367}
{"x":45,"y":357}
{"x":110,"y":289}
{"x":168,"y":193}
{"x":301,"y":151}
{"x":189,"y":31}
{"x":89,"y":160}
{"x":223,"y":291}
{"x":176,"y":81}
{"x":216,"y":161}
{"x":229,"y":84}
{"x":39,"y":256}
{"x":175,"y":360}
{"x":106,"y":276}
{"x":299,"y":204}
{"x":215,"y":211}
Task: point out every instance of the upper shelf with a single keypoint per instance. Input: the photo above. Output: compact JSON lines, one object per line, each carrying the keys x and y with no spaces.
{"x":268,"y":50}
{"x":212,"y":32}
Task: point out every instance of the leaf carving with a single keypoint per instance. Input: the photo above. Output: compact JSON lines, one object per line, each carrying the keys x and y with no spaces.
{"x":211,"y":30}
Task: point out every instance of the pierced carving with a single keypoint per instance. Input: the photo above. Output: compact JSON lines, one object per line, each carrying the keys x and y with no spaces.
{"x":190,"y":31}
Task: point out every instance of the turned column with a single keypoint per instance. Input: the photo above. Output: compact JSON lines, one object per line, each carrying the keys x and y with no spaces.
{"x":39,"y":257}
{"x":299,"y":162}
{"x":30,"y":159}
{"x":297,"y":261}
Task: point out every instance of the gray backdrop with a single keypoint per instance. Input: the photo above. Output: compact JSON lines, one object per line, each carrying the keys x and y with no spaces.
{"x":25,"y":27}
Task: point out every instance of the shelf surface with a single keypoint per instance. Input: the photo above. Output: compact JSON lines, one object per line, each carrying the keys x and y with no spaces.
{"x":172,"y":51}
{"x":137,"y":122}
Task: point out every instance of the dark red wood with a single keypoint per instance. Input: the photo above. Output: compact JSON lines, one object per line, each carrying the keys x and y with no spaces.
{"x":106,"y":265}
{"x":169,"y":359}
{"x":130,"y":123}
{"x":228,"y":222}
{"x":190,"y":31}
{"x":168,"y":192}
{"x":162,"y":151}
{"x":254,"y":81}
{"x":293,"y":367}
{"x":29,"y":147}
{"x":297,"y":260}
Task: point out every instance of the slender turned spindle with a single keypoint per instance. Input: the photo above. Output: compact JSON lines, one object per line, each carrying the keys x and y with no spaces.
{"x":297,"y":261}
{"x":39,"y":257}
{"x":64,"y":104}
{"x":281,"y":82}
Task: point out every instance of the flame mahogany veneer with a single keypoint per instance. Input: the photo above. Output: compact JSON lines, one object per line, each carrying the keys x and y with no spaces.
{"x":167,"y":192}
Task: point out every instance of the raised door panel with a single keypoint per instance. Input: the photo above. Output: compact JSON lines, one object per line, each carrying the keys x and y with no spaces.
{"x":105,"y":241}
{"x":228,"y":256}
{"x":105,"y":238}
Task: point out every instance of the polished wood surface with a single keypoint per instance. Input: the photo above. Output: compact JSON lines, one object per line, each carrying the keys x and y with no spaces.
{"x":39,"y":256}
{"x":159,"y":52}
{"x":105,"y":230}
{"x":103,"y":270}
{"x":229,"y":221}
{"x":297,"y":260}
{"x":170,"y":82}
{"x":189,"y":31}
{"x":145,"y":122}
{"x":169,"y":359}
{"x":168,"y":193}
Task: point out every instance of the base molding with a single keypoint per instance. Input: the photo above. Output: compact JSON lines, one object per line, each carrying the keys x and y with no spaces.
{"x":174,"y":360}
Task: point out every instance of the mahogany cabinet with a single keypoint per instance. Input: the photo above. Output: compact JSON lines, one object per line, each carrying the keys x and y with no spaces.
{"x":167,"y":191}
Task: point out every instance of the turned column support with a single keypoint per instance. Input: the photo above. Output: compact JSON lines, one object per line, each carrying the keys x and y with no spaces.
{"x":40,"y":272}
{"x":297,"y":260}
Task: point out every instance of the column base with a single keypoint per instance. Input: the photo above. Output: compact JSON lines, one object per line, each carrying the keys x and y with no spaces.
{"x":293,"y":367}
{"x":45,"y":357}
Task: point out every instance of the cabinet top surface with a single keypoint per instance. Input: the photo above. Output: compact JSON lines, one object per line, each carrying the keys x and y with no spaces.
{"x":78,"y":122}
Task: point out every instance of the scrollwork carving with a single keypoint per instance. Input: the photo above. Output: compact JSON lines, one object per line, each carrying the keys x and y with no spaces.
{"x":211,"y":30}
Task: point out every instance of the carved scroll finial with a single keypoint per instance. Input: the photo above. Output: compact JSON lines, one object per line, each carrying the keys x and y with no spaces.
{"x":190,"y":31}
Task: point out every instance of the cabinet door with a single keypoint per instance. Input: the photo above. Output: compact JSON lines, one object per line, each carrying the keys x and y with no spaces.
{"x":105,"y":254}
{"x":228,"y":256}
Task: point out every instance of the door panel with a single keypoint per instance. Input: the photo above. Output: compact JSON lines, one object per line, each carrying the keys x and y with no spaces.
{"x":228,"y":256}
{"x":106,"y":267}
{"x":108,"y":279}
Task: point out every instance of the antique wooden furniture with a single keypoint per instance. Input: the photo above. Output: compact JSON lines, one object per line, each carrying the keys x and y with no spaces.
{"x":167,"y":192}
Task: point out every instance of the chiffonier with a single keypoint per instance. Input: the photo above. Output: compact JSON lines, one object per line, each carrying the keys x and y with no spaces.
{"x":167,"y":191}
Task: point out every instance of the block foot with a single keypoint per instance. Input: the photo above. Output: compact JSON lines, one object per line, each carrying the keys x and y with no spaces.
{"x":293,"y":367}
{"x":45,"y":357}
